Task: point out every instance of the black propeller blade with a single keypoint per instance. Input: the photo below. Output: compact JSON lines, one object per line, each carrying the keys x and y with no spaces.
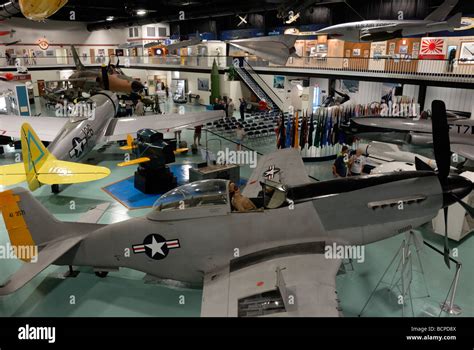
{"x":441,"y":143}
{"x":105,"y":77}
{"x":442,"y":151}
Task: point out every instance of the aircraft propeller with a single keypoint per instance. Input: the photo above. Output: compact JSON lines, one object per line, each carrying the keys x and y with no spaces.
{"x":442,"y":151}
{"x":105,"y":76}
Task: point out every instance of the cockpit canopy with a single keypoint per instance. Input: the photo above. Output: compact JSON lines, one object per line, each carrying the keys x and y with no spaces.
{"x":197,"y":194}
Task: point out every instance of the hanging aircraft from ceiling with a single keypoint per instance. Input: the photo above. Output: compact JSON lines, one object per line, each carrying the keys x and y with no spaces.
{"x":379,"y":30}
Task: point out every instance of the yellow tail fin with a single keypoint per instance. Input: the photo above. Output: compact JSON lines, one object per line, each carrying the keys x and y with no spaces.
{"x":34,"y":155}
{"x":41,"y":167}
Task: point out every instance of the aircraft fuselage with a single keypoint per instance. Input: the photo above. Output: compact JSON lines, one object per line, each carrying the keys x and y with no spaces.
{"x":355,"y":212}
{"x":82,"y":133}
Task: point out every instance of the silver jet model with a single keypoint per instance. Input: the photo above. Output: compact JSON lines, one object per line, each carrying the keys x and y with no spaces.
{"x":193,"y":234}
{"x":380,"y":30}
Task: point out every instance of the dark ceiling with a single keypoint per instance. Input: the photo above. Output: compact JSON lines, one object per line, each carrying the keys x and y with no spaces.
{"x":223,"y":13}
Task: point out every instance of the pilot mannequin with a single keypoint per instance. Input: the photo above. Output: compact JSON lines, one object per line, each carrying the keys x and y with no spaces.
{"x":240,"y":202}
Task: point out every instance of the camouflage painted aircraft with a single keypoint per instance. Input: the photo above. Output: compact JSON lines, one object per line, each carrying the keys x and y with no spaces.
{"x":252,"y":258}
{"x":91,"y":79}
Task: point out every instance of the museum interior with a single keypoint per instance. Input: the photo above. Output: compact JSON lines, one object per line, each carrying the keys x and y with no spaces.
{"x":150,"y":149}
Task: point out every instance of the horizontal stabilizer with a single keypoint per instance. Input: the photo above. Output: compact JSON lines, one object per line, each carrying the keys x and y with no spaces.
{"x":58,"y":172}
{"x":134,"y":162}
{"x":12,"y":174}
{"x":47,"y":256}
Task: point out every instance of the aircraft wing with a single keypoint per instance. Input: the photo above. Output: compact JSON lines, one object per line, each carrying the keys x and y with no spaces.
{"x":284,"y":166}
{"x":46,"y":127}
{"x":295,"y":285}
{"x":466,"y":151}
{"x":393,"y":123}
{"x":119,"y":128}
{"x":12,"y":174}
{"x":46,"y":256}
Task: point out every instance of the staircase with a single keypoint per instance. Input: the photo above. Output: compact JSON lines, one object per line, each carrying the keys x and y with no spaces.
{"x":259,"y":87}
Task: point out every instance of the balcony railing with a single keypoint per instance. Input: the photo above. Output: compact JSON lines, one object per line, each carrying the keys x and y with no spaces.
{"x":384,"y":67}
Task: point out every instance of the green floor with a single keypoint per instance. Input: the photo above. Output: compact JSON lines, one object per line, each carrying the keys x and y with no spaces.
{"x":124,"y":293}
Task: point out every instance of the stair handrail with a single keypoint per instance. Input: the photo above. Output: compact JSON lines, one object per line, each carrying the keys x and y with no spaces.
{"x":262,"y":84}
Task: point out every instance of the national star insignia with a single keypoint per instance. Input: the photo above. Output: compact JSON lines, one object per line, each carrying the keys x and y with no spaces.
{"x":271,"y":172}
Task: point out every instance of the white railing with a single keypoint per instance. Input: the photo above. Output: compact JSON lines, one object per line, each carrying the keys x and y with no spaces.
{"x":386,"y":67}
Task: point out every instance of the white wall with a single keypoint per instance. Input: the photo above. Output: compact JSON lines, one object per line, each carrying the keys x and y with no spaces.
{"x":455,"y":99}
{"x":283,"y":94}
{"x":61,"y":33}
{"x":412,"y":91}
{"x":323,"y":84}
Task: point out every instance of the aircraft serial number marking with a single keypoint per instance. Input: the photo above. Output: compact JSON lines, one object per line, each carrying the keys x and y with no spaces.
{"x":17,"y":213}
{"x":461,"y":129}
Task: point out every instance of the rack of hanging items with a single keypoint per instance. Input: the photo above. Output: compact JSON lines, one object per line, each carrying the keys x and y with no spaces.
{"x":319,"y":136}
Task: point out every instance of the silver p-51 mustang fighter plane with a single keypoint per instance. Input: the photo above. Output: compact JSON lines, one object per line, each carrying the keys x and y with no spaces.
{"x":193,"y":234}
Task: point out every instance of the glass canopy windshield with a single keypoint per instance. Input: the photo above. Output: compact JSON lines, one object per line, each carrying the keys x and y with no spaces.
{"x":196,"y":194}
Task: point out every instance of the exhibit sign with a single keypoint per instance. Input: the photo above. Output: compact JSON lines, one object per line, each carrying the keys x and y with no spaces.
{"x":278,"y":82}
{"x":43,"y":44}
{"x":466,"y":55}
{"x":23,"y":100}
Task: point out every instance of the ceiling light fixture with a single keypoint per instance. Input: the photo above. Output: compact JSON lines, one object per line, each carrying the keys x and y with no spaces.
{"x":110,"y":18}
{"x":141,"y":12}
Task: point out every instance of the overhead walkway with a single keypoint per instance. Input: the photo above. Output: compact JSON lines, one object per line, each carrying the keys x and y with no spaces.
{"x":457,"y":73}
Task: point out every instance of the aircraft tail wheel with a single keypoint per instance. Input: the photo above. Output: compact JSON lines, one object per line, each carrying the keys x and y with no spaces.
{"x":101,"y":274}
{"x":55,"y":189}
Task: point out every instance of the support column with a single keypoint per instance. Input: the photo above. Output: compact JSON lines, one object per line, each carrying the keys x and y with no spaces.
{"x":422,"y":96}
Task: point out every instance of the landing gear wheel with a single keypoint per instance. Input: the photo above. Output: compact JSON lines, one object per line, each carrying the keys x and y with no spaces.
{"x":55,"y":189}
{"x":101,"y":274}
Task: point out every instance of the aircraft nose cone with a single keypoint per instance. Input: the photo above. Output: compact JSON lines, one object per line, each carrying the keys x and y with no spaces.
{"x":137,"y":86}
{"x":458,"y":186}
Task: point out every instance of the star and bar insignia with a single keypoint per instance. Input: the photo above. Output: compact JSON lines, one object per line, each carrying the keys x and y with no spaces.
{"x":156,"y":246}
{"x":271,"y":172}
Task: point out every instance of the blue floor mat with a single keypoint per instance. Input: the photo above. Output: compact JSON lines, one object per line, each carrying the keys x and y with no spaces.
{"x":125,"y":192}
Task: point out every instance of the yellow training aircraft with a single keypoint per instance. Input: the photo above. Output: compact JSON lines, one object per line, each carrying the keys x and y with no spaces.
{"x":41,"y":167}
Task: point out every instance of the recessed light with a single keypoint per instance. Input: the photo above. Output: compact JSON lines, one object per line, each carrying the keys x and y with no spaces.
{"x":110,"y":18}
{"x":141,"y":12}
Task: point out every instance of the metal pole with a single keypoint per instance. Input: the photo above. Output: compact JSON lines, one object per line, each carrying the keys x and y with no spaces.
{"x":450,"y":307}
